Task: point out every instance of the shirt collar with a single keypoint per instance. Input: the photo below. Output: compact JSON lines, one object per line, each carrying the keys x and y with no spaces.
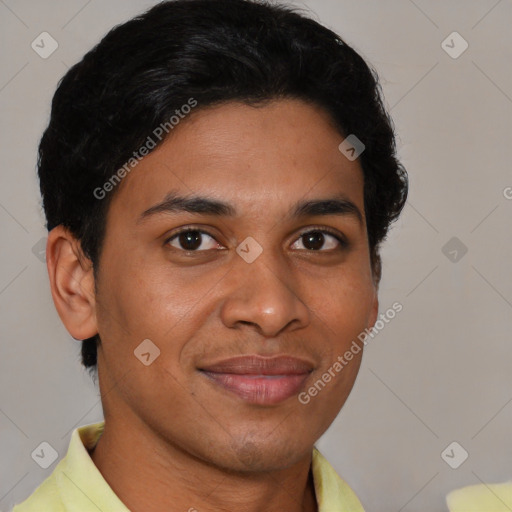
{"x":83,"y":488}
{"x":81,"y":485}
{"x":474,"y":498}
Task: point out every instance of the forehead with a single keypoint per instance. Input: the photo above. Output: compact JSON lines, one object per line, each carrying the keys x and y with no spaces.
{"x":259,"y":158}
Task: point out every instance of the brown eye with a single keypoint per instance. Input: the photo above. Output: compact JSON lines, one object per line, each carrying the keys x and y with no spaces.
{"x":319,"y":240}
{"x":191,"y":240}
{"x":314,"y":240}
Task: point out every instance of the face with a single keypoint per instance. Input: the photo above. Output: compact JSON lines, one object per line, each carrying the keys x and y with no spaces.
{"x":238,"y":271}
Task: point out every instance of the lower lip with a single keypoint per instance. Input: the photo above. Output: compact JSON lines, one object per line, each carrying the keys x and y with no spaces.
{"x":260,"y":389}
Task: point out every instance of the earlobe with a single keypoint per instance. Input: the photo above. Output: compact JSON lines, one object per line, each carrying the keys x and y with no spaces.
{"x":72,"y":283}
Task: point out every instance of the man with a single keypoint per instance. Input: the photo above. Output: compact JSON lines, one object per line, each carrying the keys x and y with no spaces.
{"x":217,"y":177}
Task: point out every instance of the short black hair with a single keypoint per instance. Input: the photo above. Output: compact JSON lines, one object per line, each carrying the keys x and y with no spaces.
{"x":213,"y":51}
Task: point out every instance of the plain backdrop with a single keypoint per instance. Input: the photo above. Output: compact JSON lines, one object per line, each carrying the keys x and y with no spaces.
{"x":438,"y":373}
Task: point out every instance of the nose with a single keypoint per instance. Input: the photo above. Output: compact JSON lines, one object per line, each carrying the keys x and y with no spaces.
{"x":264,"y":294}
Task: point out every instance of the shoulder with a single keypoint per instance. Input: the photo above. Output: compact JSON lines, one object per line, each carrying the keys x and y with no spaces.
{"x":76,"y":466}
{"x":46,"y":497}
{"x":475,"y":498}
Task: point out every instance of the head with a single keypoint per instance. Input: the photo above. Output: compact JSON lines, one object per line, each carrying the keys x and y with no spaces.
{"x":226,"y":117}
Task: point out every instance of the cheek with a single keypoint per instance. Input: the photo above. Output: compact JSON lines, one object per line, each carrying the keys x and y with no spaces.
{"x":149,"y":298}
{"x":164,"y":305}
{"x":344,"y":304}
{"x":343,"y":309}
{"x":328,"y":391}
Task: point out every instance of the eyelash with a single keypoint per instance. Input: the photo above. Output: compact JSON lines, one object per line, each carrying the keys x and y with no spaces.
{"x":335,"y":234}
{"x":317,"y":229}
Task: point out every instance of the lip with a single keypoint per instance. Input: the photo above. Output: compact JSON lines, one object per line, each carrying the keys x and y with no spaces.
{"x":260,"y":380}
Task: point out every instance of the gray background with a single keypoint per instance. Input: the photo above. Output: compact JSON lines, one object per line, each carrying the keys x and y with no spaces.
{"x":439,"y":372}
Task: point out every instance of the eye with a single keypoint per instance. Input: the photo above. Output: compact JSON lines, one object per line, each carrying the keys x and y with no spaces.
{"x":192,"y":240}
{"x":320,"y":239}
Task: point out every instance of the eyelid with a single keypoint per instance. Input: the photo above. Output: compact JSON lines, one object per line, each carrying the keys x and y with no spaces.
{"x":325,"y":229}
{"x":186,"y":229}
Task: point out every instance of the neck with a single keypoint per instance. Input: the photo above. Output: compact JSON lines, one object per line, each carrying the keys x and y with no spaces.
{"x":150,"y":475}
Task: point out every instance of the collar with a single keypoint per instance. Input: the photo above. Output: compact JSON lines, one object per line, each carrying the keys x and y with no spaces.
{"x":475,"y":498}
{"x":80,"y":487}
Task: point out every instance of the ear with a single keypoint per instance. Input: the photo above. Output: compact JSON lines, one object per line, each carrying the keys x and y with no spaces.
{"x":376,"y":276}
{"x":374,"y":308}
{"x":376,"y":268}
{"x":72,"y":283}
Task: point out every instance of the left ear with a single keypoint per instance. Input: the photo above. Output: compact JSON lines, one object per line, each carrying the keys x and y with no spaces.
{"x":376,"y":275}
{"x":374,"y":309}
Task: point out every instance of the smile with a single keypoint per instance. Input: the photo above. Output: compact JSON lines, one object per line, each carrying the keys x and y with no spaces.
{"x":258,"y":380}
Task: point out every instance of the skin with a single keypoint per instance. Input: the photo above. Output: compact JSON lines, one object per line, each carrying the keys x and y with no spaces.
{"x":194,"y":444}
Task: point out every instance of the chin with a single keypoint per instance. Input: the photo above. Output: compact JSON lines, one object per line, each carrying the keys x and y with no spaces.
{"x":263,"y":455}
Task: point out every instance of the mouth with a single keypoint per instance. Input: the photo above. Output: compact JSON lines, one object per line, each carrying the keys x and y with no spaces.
{"x":260,"y":380}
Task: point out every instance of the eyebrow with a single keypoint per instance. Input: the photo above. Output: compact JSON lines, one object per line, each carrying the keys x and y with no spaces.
{"x":174,"y":203}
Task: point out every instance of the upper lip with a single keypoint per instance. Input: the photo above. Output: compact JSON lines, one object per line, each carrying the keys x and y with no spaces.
{"x":258,"y":365}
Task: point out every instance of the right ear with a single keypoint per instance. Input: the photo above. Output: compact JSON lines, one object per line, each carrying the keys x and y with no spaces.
{"x":72,"y":283}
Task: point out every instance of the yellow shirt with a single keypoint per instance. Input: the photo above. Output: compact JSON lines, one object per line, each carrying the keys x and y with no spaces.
{"x":481,"y":498}
{"x":76,"y":485}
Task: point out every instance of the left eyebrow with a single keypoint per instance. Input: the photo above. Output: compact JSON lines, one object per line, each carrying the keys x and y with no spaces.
{"x":334,"y":206}
{"x":174,"y":203}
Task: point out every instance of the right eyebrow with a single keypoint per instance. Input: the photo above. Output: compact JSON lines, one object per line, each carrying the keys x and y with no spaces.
{"x":174,"y":203}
